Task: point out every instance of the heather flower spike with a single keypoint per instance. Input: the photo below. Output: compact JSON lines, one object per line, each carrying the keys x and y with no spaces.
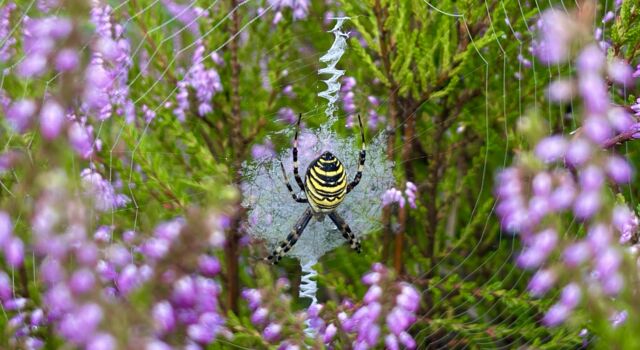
{"x":573,"y":176}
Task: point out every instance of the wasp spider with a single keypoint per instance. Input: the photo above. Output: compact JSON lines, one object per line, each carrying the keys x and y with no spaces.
{"x":325,"y":186}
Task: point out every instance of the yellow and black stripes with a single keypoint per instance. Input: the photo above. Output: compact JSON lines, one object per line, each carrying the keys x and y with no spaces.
{"x":286,"y":181}
{"x":325,"y":186}
{"x":325,"y":183}
{"x":286,"y":245}
{"x":354,"y":242}
{"x":296,"y":174}
{"x":363,"y":156}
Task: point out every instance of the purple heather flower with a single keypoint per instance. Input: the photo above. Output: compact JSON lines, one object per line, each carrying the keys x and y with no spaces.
{"x":607,"y":262}
{"x":272,"y":332}
{"x":551,"y":148}
{"x":598,"y":236}
{"x":6,"y":228}
{"x":409,"y":298}
{"x":80,"y":140}
{"x":372,"y":294}
{"x":329,"y":333}
{"x":188,"y":15}
{"x":587,"y":204}
{"x":184,"y":292}
{"x":636,"y":106}
{"x":263,"y":151}
{"x":619,"y":169}
{"x":163,"y":316}
{"x":593,"y":89}
{"x":556,"y":314}
{"x":209,"y":265}
{"x":591,"y":59}
{"x":620,"y":119}
{"x":67,"y":60}
{"x":20,"y":114}
{"x":15,"y":304}
{"x":259,"y":316}
{"x":571,"y":295}
{"x":52,"y":118}
{"x":37,"y":318}
{"x":157,"y":345}
{"x":524,"y":61}
{"x":619,"y":318}
{"x":407,"y":340}
{"x":33,"y":65}
{"x":51,"y":271}
{"x":6,"y":47}
{"x":562,"y":197}
{"x":106,"y":270}
{"x":149,"y":114}
{"x":542,"y":184}
{"x":87,"y":254}
{"x":155,"y":248}
{"x":608,"y":17}
{"x":101,"y":341}
{"x":78,"y":327}
{"x":591,"y":178}
{"x":555,"y":34}
{"x":7,"y":160}
{"x":560,"y":90}
{"x":612,"y":285}
{"x":371,"y":278}
{"x":411,"y":193}
{"x":541,"y":282}
{"x":5,"y":287}
{"x":118,"y":255}
{"x":128,"y":279}
{"x":14,"y":252}
{"x":620,"y":72}
{"x":391,"y":342}
{"x":398,"y":320}
{"x":393,"y":196}
{"x":576,"y":254}
{"x":636,"y":73}
{"x":287,"y":115}
{"x":82,"y":281}
{"x":626,"y":222}
{"x":541,"y":246}
{"x":103,"y":193}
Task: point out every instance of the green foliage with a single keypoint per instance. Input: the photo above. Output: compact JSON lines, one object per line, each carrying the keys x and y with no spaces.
{"x":452,"y":76}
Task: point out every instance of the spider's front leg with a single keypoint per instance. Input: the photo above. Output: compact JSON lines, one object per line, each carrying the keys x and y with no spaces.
{"x":354,"y":242}
{"x":363,"y":156}
{"x":286,"y":245}
{"x":286,"y":181}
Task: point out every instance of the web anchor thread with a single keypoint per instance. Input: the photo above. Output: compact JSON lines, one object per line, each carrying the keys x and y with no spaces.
{"x":331,"y":58}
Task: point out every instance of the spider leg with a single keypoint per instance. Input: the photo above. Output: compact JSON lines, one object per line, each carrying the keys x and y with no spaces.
{"x":363,"y":155}
{"x":295,"y":156}
{"x":286,"y":245}
{"x":354,"y":242}
{"x":286,"y":181}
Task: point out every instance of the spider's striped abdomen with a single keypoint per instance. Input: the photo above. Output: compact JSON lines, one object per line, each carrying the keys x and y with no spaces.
{"x":325,"y":183}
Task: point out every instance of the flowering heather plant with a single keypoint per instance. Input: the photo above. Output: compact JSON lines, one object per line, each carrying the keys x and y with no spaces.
{"x":141,"y":186}
{"x":575,"y":175}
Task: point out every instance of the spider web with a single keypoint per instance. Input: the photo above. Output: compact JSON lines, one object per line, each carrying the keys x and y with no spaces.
{"x":277,"y":212}
{"x":273,"y":213}
{"x":505,"y":271}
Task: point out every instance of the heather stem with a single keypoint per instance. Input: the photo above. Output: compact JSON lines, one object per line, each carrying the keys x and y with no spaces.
{"x":232,"y":247}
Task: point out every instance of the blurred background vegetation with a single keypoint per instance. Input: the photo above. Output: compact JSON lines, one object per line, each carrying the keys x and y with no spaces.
{"x":452,"y":78}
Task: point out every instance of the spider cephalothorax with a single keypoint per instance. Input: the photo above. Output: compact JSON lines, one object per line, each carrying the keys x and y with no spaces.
{"x":325,"y":186}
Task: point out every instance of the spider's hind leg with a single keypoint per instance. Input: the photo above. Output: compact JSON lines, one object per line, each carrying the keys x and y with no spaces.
{"x":354,"y":242}
{"x":286,"y":245}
